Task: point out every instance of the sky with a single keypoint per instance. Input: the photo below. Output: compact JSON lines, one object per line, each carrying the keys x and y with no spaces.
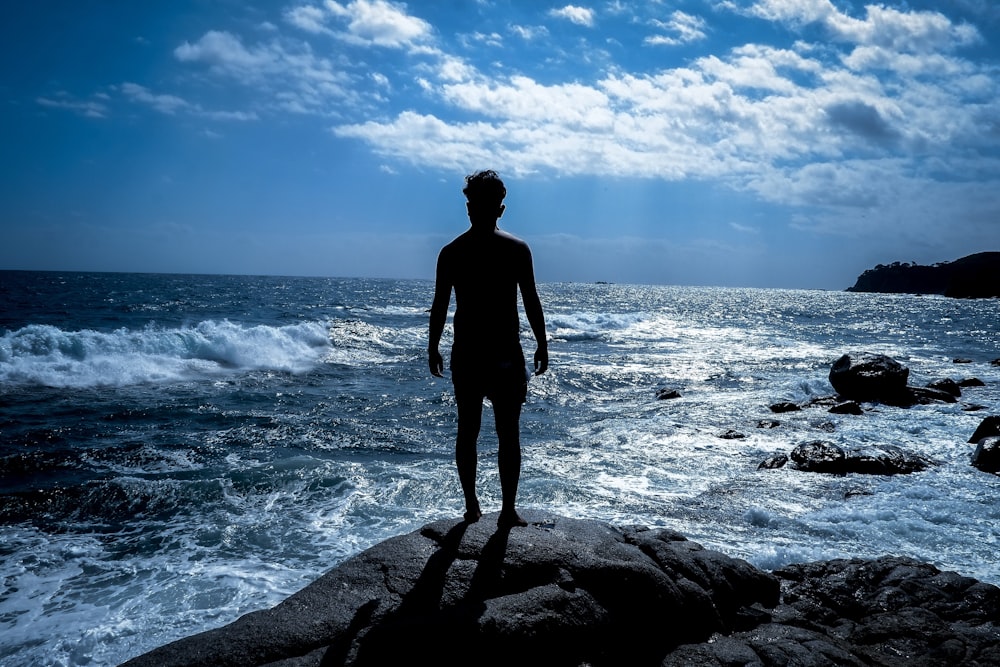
{"x":758,"y":143}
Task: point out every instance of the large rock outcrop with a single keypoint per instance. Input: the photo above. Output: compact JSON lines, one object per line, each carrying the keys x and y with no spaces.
{"x":973,"y":276}
{"x":865,"y":376}
{"x":572,"y":592}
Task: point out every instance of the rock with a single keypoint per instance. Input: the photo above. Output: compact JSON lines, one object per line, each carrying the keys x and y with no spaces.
{"x":987,"y":454}
{"x":565,"y":592}
{"x":819,"y":456}
{"x":847,"y":408}
{"x":946,"y":385}
{"x":973,"y":407}
{"x":925,"y":395}
{"x":824,"y":457}
{"x":889,"y":611}
{"x":732,"y":434}
{"x":884,"y":460}
{"x":990,"y":426}
{"x":773,"y":463}
{"x":823,"y":401}
{"x":785,"y":406}
{"x":664,"y":394}
{"x":961,"y":360}
{"x":971,"y":382}
{"x":768,"y":423}
{"x":995,"y":362}
{"x":559,"y":592}
{"x":871,"y":377}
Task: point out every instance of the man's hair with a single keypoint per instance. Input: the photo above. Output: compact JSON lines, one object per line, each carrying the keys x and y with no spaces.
{"x":484,"y":188}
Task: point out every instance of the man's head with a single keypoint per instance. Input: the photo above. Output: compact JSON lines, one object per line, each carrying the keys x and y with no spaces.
{"x":485,"y":193}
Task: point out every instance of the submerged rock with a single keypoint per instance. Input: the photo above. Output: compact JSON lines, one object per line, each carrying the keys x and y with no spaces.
{"x":847,"y":408}
{"x":566,"y":592}
{"x":666,"y":394}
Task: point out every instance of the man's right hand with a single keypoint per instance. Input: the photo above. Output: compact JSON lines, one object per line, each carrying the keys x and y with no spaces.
{"x":436,"y":363}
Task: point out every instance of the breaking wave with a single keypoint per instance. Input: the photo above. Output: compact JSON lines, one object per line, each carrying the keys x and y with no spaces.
{"x":41,"y":354}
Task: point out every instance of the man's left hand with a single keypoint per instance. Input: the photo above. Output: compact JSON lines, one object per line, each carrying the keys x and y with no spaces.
{"x":541,"y":360}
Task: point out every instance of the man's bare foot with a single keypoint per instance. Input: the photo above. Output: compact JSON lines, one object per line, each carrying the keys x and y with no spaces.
{"x":473,"y":514}
{"x":510,"y":520}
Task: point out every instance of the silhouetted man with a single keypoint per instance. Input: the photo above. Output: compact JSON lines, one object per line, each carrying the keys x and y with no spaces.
{"x":486,"y":266}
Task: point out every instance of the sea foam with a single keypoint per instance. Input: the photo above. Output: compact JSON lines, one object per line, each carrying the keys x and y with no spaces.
{"x":41,"y":354}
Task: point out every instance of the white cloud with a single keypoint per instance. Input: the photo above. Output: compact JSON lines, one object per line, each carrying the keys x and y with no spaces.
{"x":293,"y":77}
{"x":682,"y":28}
{"x":171,"y":104}
{"x":911,"y":31}
{"x":168,"y":104}
{"x":529,"y":33}
{"x":93,"y":108}
{"x":579,"y":15}
{"x":380,"y":23}
{"x":308,"y":18}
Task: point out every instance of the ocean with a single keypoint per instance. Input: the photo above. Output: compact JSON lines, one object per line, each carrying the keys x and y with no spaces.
{"x":176,"y":451}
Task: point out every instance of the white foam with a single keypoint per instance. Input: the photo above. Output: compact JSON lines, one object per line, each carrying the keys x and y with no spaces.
{"x":46,"y":355}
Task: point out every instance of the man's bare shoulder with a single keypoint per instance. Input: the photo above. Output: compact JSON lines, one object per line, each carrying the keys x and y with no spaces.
{"x":474,"y":240}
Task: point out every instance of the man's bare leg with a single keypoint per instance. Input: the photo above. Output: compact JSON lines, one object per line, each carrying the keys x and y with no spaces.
{"x":470,"y":416}
{"x":508,"y":417}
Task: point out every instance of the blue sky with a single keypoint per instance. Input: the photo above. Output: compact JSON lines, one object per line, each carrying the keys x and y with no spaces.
{"x":766,"y":143}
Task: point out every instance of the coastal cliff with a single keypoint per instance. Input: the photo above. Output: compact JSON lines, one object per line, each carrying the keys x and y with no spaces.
{"x":566,"y":592}
{"x":973,"y":276}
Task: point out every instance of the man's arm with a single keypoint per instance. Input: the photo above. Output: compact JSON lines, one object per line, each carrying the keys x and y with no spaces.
{"x":439,"y":313}
{"x":533,"y":309}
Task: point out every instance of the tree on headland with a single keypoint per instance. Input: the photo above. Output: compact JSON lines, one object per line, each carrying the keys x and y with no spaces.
{"x":974,"y":276}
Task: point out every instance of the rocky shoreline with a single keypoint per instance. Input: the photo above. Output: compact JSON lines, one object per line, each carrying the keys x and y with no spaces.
{"x":568,"y":592}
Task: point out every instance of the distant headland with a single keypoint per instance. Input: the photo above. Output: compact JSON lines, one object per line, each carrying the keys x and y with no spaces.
{"x":972,"y":277}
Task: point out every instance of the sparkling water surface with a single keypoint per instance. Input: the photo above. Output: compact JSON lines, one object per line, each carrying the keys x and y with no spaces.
{"x":176,"y":451}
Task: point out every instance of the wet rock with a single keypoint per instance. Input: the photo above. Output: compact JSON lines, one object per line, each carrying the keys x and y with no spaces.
{"x":987,"y":454}
{"x":773,"y":463}
{"x":732,"y":434}
{"x":823,"y":402}
{"x":961,"y":360}
{"x":971,"y":382}
{"x":785,"y":406}
{"x":925,"y":395}
{"x":885,"y":460}
{"x":871,"y":377}
{"x":819,"y":456}
{"x":995,"y":362}
{"x":825,"y":457}
{"x":847,"y":408}
{"x":768,"y":423}
{"x":889,"y":611}
{"x":559,"y":592}
{"x":946,"y":385}
{"x":564,"y":592}
{"x":666,"y":394}
{"x":987,"y":428}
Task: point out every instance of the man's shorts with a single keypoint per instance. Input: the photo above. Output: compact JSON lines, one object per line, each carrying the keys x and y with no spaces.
{"x":500,"y":380}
